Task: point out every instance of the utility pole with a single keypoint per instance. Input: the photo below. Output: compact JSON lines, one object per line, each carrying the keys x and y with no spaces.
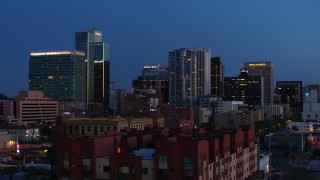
{"x":269,"y":156}
{"x":301,"y":138}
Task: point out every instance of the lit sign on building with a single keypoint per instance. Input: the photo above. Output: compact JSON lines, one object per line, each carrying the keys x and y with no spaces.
{"x":98,"y":34}
{"x":258,"y":64}
{"x":50,"y":53}
{"x":150,"y":67}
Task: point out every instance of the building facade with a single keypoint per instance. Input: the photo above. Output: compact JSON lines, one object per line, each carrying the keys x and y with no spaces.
{"x":311,"y":106}
{"x":264,"y":69}
{"x":217,"y":77}
{"x":29,"y":107}
{"x":154,"y":77}
{"x":176,"y":117}
{"x":248,"y":89}
{"x":290,"y":92}
{"x":189,"y":75}
{"x":204,"y":153}
{"x":98,"y":126}
{"x":61,"y":75}
{"x":97,"y":70}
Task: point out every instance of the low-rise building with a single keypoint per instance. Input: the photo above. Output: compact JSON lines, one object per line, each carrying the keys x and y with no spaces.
{"x":176,"y":117}
{"x":30,"y":107}
{"x":206,"y":153}
{"x":277,"y":111}
{"x":98,"y":126}
{"x":8,"y":142}
{"x":23,"y":133}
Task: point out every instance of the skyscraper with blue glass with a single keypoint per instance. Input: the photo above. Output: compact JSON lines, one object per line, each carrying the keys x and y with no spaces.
{"x":97,"y":70}
{"x":61,"y":75}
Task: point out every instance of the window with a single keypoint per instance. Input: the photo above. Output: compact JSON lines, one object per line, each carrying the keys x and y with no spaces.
{"x":65,"y":164}
{"x":187,"y":163}
{"x":82,"y":130}
{"x":95,"y":130}
{"x":65,"y":155}
{"x":70,"y":130}
{"x":105,"y":168}
{"x":89,"y":128}
{"x":145,"y":170}
{"x":87,"y":168}
{"x":163,"y":159}
{"x":101,"y":129}
{"x":163,"y":172}
{"x":131,"y":170}
{"x":86,"y":156}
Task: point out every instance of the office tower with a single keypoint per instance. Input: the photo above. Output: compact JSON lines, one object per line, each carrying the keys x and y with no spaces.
{"x":61,"y":76}
{"x":264,"y":69}
{"x":244,"y":88}
{"x":189,"y":75}
{"x":217,"y":75}
{"x":97,"y":70}
{"x":154,"y":77}
{"x":290,"y":92}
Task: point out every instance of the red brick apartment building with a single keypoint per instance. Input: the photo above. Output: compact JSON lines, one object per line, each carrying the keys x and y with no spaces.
{"x":205,"y":153}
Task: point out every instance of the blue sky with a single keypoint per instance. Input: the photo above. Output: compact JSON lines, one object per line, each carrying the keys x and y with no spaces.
{"x":142,"y":32}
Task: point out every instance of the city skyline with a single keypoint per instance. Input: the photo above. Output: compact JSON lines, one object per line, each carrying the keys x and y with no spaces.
{"x":285,"y":33}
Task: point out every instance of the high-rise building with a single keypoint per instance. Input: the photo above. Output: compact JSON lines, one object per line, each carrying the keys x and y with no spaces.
{"x":97,"y":70}
{"x":264,"y":69}
{"x":189,"y":75}
{"x":244,"y":88}
{"x":61,"y":76}
{"x":154,"y":77}
{"x":290,"y":92}
{"x":217,"y":75}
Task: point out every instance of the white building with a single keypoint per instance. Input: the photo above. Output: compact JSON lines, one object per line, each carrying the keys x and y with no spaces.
{"x":226,"y":106}
{"x":311,"y":106}
{"x":276,"y":110}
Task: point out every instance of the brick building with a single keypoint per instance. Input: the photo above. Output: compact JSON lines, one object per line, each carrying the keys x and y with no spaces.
{"x":185,"y":153}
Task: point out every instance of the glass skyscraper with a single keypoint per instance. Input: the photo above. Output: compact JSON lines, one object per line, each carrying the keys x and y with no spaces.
{"x":189,"y":75}
{"x":60,"y":75}
{"x":97,"y":70}
{"x":264,"y":69}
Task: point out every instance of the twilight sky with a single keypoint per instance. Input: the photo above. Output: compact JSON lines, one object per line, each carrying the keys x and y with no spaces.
{"x":142,"y":32}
